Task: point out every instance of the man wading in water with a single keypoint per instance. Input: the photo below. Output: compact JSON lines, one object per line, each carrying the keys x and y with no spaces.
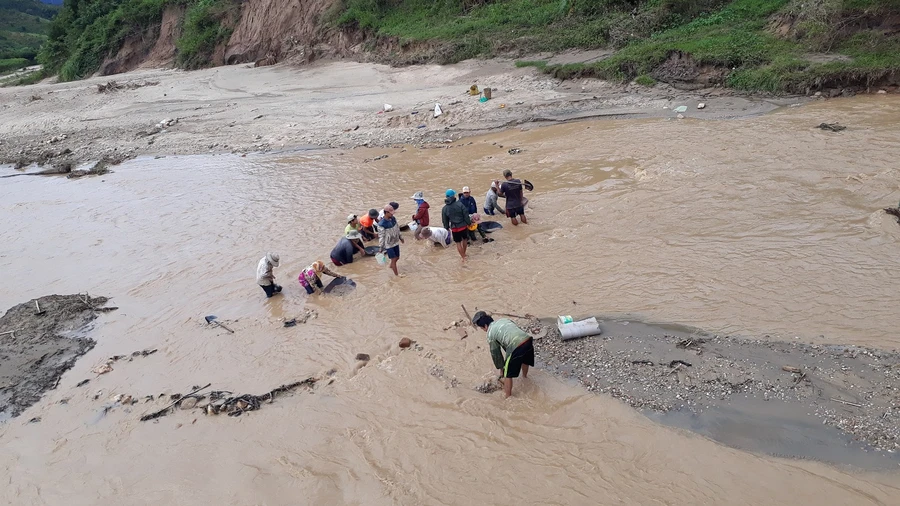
{"x":389,"y":236}
{"x":515,"y":342}
{"x":515,"y":201}
{"x":456,"y":219}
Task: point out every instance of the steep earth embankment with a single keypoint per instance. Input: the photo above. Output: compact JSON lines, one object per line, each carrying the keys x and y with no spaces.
{"x":779,"y":46}
{"x":264,"y":32}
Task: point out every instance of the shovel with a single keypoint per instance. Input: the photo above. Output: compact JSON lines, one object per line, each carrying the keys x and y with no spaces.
{"x":212,"y":319}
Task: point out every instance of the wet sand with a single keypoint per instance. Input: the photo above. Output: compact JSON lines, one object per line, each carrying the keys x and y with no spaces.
{"x":41,"y":339}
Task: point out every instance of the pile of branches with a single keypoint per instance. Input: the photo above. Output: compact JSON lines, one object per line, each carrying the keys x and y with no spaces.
{"x":222,"y":401}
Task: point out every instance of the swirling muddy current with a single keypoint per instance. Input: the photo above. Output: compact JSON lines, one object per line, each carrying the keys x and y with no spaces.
{"x":763,"y":227}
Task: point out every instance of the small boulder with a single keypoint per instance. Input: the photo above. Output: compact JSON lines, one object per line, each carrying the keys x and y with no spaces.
{"x":189,"y":403}
{"x":362,"y":356}
{"x":701,"y":105}
{"x":882,"y":92}
{"x":405,"y":342}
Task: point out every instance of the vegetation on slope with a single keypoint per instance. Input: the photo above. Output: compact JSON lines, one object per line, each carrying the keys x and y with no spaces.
{"x":756,"y":45}
{"x":23,"y":28}
{"x":761,"y":45}
{"x":86,"y":32}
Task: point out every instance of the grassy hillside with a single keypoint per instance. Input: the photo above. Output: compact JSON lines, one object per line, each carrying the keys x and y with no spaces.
{"x":757,"y":45}
{"x":23,"y":28}
{"x":87,"y":31}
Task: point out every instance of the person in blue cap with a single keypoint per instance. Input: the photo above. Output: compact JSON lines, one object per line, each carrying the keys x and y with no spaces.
{"x":456,"y":219}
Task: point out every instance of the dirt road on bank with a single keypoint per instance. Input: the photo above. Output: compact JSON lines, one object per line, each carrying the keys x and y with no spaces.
{"x":329,"y":104}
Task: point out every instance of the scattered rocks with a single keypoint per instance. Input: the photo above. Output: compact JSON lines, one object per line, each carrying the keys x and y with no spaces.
{"x":848,"y":387}
{"x":514,"y":151}
{"x":188,"y":403}
{"x":488,"y":387}
{"x":102,"y":369}
{"x":833,"y":127}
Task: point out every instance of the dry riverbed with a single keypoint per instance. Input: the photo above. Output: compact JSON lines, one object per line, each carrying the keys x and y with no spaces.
{"x":328,"y":104}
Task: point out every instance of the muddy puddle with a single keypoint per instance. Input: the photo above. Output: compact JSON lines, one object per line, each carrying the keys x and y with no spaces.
{"x":765,"y":228}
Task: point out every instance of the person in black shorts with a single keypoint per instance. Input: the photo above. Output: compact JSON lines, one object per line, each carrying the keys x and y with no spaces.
{"x":456,"y":219}
{"x":504,"y":336}
{"x":513,"y":189}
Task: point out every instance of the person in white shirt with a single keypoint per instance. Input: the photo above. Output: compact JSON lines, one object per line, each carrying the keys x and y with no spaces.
{"x":264,"y":275}
{"x":435,"y":234}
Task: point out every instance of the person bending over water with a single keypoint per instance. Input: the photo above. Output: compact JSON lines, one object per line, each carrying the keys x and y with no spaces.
{"x":504,"y":335}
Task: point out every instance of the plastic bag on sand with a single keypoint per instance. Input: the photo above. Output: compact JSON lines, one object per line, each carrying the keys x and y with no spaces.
{"x":388,"y":108}
{"x":437,"y":110}
{"x":381,"y":258}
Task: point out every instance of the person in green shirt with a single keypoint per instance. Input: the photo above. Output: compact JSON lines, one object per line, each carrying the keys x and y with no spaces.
{"x":352,"y":225}
{"x":518,"y":346}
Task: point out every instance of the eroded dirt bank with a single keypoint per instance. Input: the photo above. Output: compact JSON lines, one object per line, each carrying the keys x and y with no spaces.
{"x":330,"y":104}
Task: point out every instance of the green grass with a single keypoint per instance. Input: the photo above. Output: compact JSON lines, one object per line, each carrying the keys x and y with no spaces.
{"x":9,"y":64}
{"x":23,"y":28}
{"x":645,"y":80}
{"x":80,"y":40}
{"x":735,"y":37}
{"x":203,"y":31}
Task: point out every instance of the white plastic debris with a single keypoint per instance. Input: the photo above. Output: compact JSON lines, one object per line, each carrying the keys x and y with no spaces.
{"x":388,"y":108}
{"x":701,"y":105}
{"x":437,"y":110}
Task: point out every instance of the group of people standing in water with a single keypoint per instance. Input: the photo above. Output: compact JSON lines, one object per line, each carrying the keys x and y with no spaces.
{"x":460,"y":220}
{"x":461,"y":223}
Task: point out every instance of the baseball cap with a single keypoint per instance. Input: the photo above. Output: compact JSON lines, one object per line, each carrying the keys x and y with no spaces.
{"x":350,"y":217}
{"x":450,"y":193}
{"x":465,"y":189}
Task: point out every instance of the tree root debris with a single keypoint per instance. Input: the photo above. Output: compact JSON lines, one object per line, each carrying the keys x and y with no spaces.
{"x":222,"y":401}
{"x":110,"y":86}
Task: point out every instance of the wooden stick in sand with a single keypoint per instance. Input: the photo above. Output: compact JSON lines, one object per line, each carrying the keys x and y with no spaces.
{"x":468,"y":318}
{"x":847,"y":403}
{"x":527,"y":317}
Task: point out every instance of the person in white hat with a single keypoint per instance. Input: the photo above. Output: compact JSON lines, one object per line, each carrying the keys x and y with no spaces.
{"x":264,"y":275}
{"x":468,"y":200}
{"x":421,"y":217}
{"x":490,"y":201}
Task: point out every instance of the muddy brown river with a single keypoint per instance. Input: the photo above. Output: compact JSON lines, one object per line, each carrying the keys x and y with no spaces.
{"x":760,"y":227}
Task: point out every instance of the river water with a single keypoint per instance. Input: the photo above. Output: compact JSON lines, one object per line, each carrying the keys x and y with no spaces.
{"x":761,"y":226}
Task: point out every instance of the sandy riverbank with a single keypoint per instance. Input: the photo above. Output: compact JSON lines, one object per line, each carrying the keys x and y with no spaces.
{"x":329,"y":104}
